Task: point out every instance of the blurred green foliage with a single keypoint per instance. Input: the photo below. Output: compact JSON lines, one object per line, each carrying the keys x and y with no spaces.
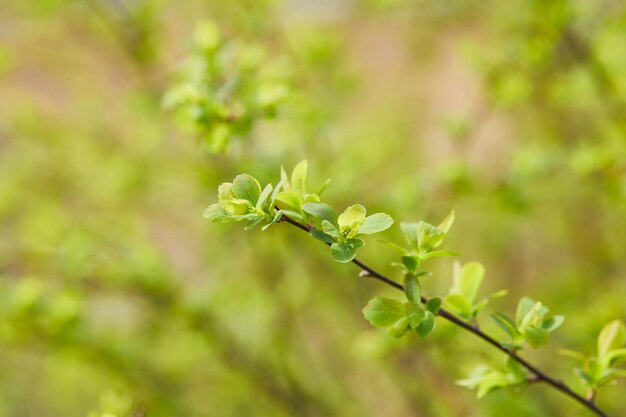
{"x":226,"y":89}
{"x":513,"y":113}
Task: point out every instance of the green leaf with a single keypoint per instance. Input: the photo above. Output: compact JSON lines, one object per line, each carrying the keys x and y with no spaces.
{"x":289,"y":200}
{"x":410,"y":231}
{"x":612,"y":336}
{"x":427,"y":326}
{"x":429,"y":237}
{"x":535,"y":336}
{"x":310,"y":198}
{"x":440,"y":254}
{"x":225,"y":192}
{"x":393,"y":246}
{"x":298,"y":178}
{"x":535,"y":316}
{"x":383,"y":312}
{"x":343,"y":252}
{"x":352,"y":218}
{"x":446,"y":224}
{"x":415,"y":314}
{"x":411,"y":263}
{"x":247,"y":188}
{"x":506,"y":324}
{"x":479,"y":306}
{"x":615,"y":356}
{"x":322,"y":211}
{"x":399,"y":328}
{"x":375,"y":223}
{"x":253,"y":223}
{"x":433,"y":305}
{"x":275,"y":193}
{"x":458,"y":303}
{"x":523,"y":308}
{"x":475,"y":377}
{"x":264,"y":196}
{"x":319,"y":235}
{"x":237,"y":207}
{"x":277,"y":216}
{"x":356,"y":242}
{"x":412,"y":288}
{"x":467,"y":280}
{"x":497,"y":294}
{"x":515,"y":369}
{"x":594,"y":368}
{"x":292,"y":214}
{"x":491,"y":381}
{"x":584,"y":376}
{"x":572,"y":354}
{"x":322,"y":187}
{"x":614,"y":372}
{"x":216,"y":214}
{"x":331,"y":229}
{"x":284,"y":179}
{"x":553,"y":323}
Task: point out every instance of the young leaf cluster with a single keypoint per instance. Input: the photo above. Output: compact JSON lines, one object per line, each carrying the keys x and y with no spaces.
{"x":243,"y":200}
{"x":485,"y":379}
{"x":294,"y":194}
{"x":401,"y":317}
{"x":419,"y":314}
{"x":423,"y":239}
{"x":343,"y":232}
{"x":227,"y":87}
{"x":600,"y":370}
{"x":531,"y":324}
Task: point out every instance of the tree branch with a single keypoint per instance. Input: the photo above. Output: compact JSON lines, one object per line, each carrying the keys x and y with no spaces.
{"x":536,"y":374}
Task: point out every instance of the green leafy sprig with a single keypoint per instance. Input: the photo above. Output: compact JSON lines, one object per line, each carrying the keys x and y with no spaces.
{"x":289,"y":201}
{"x":294,"y":195}
{"x":242,"y":200}
{"x":227,"y":87}
{"x":423,"y":240}
{"x":531,"y":324}
{"x":601,"y":370}
{"x":485,"y":379}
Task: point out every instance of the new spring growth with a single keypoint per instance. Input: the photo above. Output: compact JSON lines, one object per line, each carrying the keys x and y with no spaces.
{"x":244,"y":199}
{"x":227,"y":87}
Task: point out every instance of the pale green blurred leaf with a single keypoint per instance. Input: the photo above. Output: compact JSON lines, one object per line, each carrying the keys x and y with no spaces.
{"x":383,"y":312}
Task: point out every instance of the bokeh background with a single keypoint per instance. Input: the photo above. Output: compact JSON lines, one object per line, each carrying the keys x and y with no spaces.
{"x":116,"y":296}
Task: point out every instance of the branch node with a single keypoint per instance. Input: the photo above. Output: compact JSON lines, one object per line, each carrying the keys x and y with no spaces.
{"x":364,"y":274}
{"x":533,"y":378}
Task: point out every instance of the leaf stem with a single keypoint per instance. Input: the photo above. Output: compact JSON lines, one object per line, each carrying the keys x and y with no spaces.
{"x":537,"y":374}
